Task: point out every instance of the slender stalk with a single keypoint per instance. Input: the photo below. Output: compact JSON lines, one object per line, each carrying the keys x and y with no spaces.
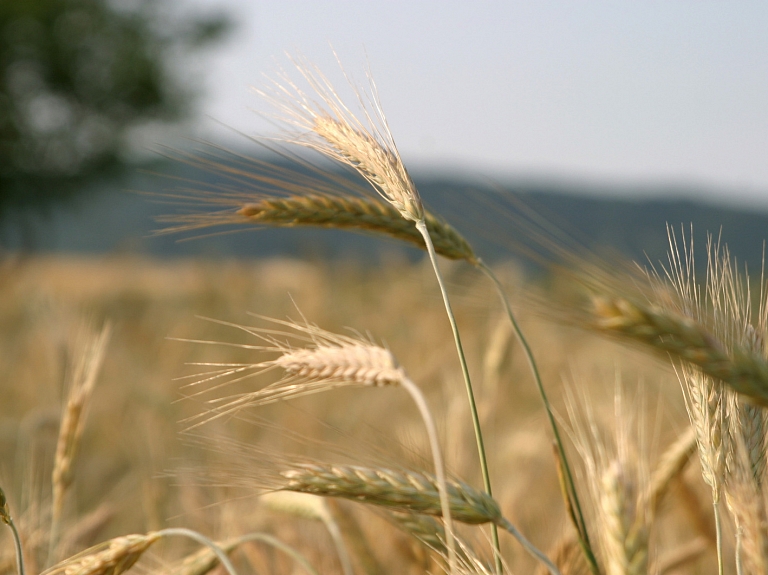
{"x":183,"y":532}
{"x":429,"y":422}
{"x":739,"y":561}
{"x":530,"y":547}
{"x":569,"y":490}
{"x":338,"y":542}
{"x":422,"y":227}
{"x":287,"y":549}
{"x":719,"y":538}
{"x":19,"y":552}
{"x":5,"y":517}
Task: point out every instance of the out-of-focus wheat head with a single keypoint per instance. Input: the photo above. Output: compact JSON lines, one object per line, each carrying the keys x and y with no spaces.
{"x":83,"y":380}
{"x":109,"y":558}
{"x":701,"y":325}
{"x":328,"y":125}
{"x":730,"y":429}
{"x":617,"y":475}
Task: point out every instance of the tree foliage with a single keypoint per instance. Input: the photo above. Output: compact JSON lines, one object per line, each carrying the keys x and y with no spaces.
{"x":75,"y":76}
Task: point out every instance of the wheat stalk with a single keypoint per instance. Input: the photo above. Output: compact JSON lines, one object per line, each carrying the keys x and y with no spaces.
{"x":5,"y":517}
{"x":314,"y":508}
{"x":207,"y":558}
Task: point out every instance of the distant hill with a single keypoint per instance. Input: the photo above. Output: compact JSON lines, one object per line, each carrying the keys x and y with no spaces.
{"x":111,"y":218}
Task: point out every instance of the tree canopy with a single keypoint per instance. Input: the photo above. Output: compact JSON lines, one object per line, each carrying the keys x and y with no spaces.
{"x":75,"y":76}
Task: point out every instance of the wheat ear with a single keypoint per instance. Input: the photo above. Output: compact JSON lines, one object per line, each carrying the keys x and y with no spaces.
{"x":72,"y":424}
{"x":685,"y":339}
{"x":119,"y":554}
{"x":5,"y":517}
{"x":625,"y":537}
{"x":406,"y":491}
{"x":355,"y":213}
{"x":403,"y":491}
{"x":109,"y":558}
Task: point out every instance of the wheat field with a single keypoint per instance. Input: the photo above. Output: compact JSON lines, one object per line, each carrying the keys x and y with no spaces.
{"x":284,"y":416}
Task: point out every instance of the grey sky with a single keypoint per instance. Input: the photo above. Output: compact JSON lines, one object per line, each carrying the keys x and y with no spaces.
{"x":613,"y":92}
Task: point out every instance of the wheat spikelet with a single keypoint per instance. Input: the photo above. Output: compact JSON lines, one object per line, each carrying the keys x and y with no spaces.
{"x":356,"y":213}
{"x":407,"y":491}
{"x":109,"y":558}
{"x":424,"y":528}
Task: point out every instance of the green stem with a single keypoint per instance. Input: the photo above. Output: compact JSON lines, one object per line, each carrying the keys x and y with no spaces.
{"x":422,"y":227}
{"x":571,"y":493}
{"x":17,"y":543}
{"x":530,"y":547}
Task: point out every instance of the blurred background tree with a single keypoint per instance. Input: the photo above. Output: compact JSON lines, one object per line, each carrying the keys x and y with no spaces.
{"x":76,"y":76}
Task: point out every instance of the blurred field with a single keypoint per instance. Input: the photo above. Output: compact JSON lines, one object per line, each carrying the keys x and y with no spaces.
{"x":133,"y":472}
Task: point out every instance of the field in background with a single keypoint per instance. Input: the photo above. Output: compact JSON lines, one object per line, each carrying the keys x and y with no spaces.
{"x":134,"y":471}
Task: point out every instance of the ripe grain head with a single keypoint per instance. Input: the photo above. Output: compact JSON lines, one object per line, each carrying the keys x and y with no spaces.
{"x":329,"y":126}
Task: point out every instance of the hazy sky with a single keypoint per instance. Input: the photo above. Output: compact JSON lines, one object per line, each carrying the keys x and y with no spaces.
{"x":605,"y":92}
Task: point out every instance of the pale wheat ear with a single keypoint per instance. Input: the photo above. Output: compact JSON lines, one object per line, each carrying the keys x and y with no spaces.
{"x":117,"y":555}
{"x":617,"y":476}
{"x":83,"y":380}
{"x":329,"y":127}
